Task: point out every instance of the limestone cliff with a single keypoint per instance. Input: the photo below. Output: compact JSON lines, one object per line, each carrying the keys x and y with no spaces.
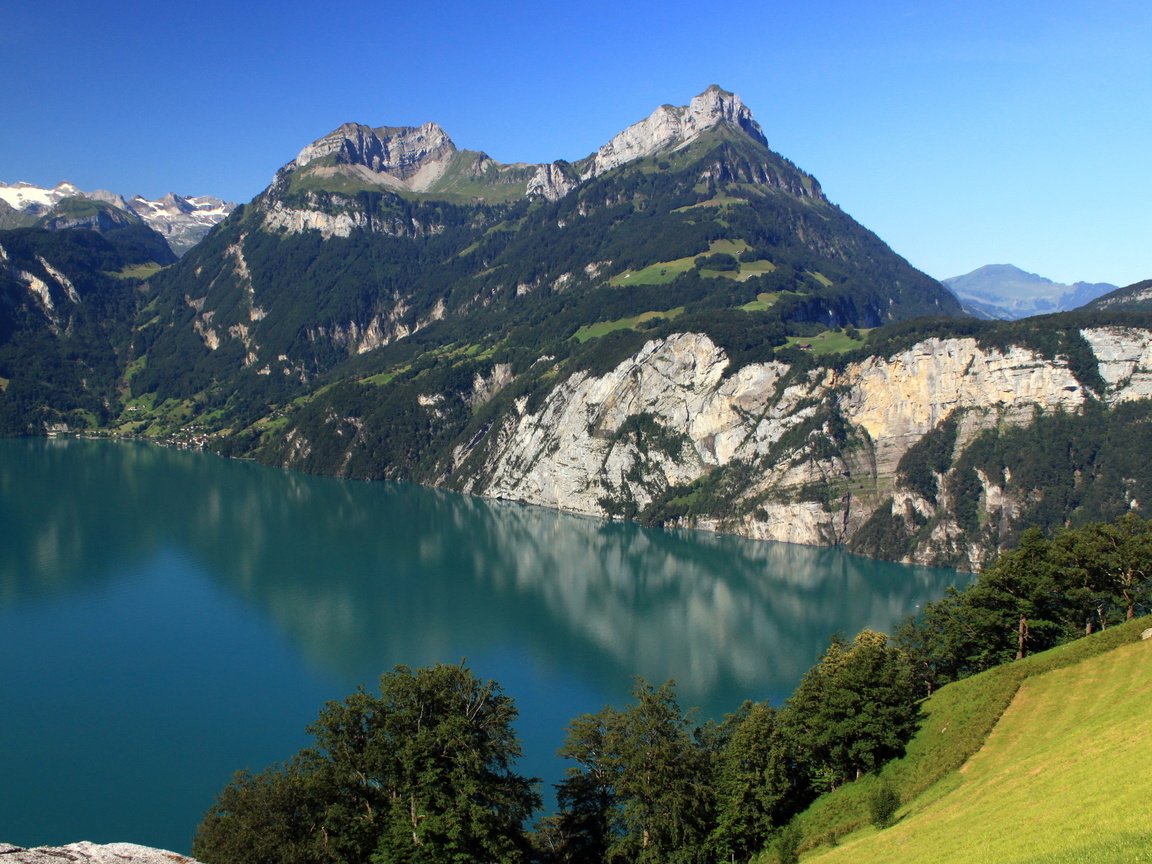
{"x":669,"y":127}
{"x":805,"y":456}
{"x":90,"y":853}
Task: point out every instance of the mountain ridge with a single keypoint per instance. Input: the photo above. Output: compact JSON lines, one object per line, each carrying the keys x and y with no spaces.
{"x":182,"y":221}
{"x":1006,"y":292}
{"x":696,"y":336}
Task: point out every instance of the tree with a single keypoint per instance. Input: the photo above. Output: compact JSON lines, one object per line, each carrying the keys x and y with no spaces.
{"x":641,"y":790}
{"x":273,"y":817}
{"x":752,"y":786}
{"x":853,"y":711}
{"x":1114,"y":561}
{"x":421,"y":773}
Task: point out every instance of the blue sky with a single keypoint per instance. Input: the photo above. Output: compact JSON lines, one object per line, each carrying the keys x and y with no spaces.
{"x":963,"y":133}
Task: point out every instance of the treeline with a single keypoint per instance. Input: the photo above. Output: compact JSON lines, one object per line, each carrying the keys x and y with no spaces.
{"x":423,"y":772}
{"x":1047,"y":591}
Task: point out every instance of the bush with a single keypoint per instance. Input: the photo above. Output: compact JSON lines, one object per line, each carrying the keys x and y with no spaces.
{"x":883,"y":802}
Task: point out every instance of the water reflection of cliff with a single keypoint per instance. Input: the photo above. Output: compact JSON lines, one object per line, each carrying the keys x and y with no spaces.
{"x":363,"y":576}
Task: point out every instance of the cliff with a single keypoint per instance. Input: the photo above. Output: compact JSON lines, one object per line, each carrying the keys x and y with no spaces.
{"x":90,"y":853}
{"x":805,"y":456}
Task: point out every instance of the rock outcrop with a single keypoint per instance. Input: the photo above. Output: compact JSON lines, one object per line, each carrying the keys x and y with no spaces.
{"x":817,"y":452}
{"x":669,"y":127}
{"x":91,"y":853}
{"x":424,"y":159}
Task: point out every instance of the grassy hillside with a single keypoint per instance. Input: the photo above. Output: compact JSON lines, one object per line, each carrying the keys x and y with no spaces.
{"x":1056,"y":772}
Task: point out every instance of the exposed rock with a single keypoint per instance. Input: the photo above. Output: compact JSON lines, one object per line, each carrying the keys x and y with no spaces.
{"x":668,"y":127}
{"x":672,"y":413}
{"x":1147,"y":634}
{"x":551,"y":182}
{"x":1125,"y":361}
{"x":91,"y":853}
{"x":400,"y":152}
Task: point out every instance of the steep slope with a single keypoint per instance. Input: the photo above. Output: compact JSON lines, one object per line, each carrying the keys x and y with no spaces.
{"x":1007,"y":292}
{"x":1053,"y":782}
{"x":67,"y":303}
{"x":1131,"y":298}
{"x":351,"y":250}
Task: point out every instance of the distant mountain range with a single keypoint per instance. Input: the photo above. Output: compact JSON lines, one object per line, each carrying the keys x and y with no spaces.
{"x":182,"y":222}
{"x":1005,"y":292}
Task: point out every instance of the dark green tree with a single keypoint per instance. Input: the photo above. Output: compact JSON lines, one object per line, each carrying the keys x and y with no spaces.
{"x":752,"y":786}
{"x":421,"y":773}
{"x":852,"y":712}
{"x":642,"y":787}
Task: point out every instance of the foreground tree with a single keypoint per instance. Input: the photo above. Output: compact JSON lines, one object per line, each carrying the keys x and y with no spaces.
{"x":641,"y":789}
{"x":753,"y":789}
{"x":1039,"y":595}
{"x":853,"y":711}
{"x":420,"y":774}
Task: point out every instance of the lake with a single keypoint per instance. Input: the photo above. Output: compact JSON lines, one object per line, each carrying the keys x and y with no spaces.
{"x":169,"y":617}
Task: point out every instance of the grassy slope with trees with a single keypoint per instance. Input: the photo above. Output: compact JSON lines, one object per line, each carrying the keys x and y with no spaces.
{"x":1055,"y":775}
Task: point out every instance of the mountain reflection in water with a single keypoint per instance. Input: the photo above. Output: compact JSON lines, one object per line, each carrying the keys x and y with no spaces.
{"x":353,"y":578}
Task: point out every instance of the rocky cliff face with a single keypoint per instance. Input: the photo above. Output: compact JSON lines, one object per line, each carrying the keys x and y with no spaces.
{"x":669,"y":127}
{"x":816,"y":453}
{"x":90,"y":853}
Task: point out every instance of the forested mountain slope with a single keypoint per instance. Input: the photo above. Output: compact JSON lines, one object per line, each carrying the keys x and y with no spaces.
{"x":680,"y":327}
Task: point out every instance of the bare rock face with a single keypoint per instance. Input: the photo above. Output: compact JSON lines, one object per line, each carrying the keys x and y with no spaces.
{"x":673,"y":412}
{"x":91,"y":853}
{"x":668,"y":127}
{"x":399,"y":151}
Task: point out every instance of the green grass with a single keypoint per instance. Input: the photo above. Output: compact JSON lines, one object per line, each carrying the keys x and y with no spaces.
{"x":1040,"y":759}
{"x":601,"y":328}
{"x":765,"y":301}
{"x":139,"y":271}
{"x":720,"y":201}
{"x":663,"y":272}
{"x":828,"y":342}
{"x":660,"y":273}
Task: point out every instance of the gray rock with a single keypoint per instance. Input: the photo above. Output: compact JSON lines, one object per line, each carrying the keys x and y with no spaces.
{"x":1147,"y":634}
{"x":91,"y":853}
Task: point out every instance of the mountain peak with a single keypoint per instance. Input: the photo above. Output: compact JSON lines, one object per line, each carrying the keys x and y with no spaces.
{"x":396,"y":151}
{"x":1007,"y":292}
{"x":670,"y":127}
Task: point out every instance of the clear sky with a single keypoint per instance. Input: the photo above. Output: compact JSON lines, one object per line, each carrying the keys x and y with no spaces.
{"x":963,"y":132}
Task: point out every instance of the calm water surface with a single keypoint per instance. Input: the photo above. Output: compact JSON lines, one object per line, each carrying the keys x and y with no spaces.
{"x":169,"y":617}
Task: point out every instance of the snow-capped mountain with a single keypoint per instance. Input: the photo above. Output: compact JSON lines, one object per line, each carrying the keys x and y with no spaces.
{"x":182,"y":221}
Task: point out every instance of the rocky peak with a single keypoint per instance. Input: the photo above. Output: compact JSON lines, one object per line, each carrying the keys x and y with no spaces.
{"x":396,"y":151}
{"x":669,"y":127}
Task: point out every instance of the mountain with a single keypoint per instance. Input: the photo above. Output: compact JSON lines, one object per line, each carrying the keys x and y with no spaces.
{"x":1006,"y":292}
{"x":1132,"y":298}
{"x":183,"y":222}
{"x":68,"y":301}
{"x":679,"y":328}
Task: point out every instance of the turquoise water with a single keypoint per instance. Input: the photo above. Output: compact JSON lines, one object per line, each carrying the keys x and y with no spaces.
{"x":167,"y":618}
